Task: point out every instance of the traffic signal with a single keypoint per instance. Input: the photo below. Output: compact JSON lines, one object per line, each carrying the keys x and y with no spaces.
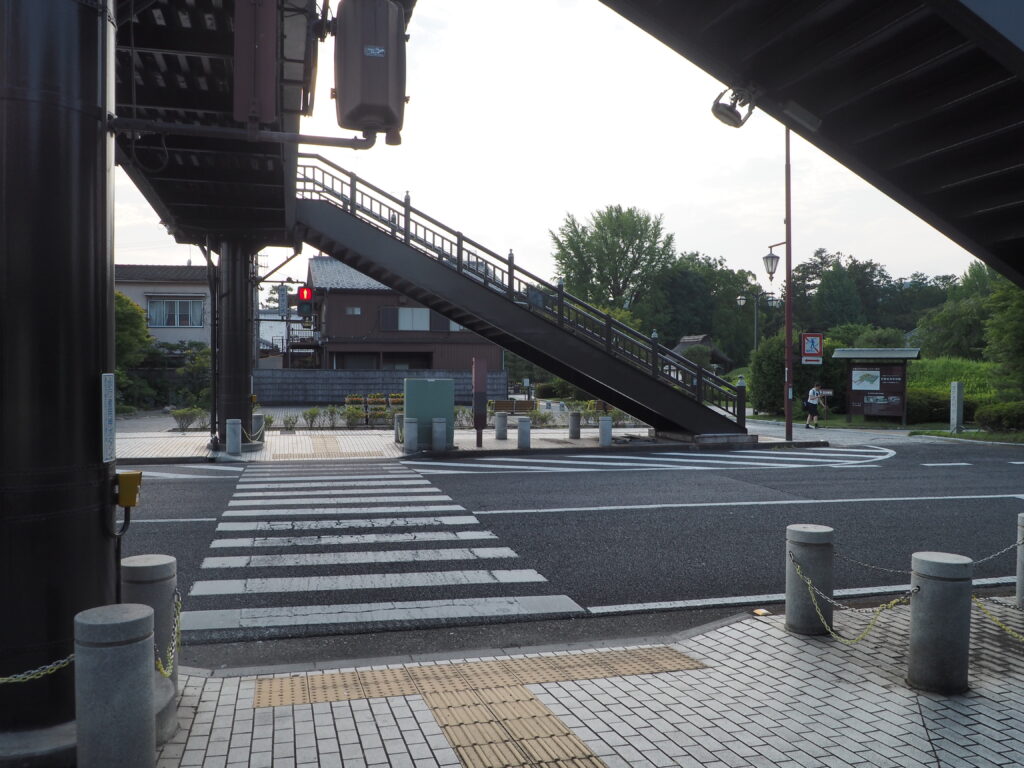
{"x":304,"y":304}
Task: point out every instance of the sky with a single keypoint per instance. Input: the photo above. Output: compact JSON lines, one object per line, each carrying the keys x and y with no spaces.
{"x":524,"y":111}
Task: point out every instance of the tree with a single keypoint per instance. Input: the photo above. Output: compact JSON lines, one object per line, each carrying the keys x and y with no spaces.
{"x":612,"y":260}
{"x":955,"y":329}
{"x":836,"y":301}
{"x":1004,"y":333}
{"x":131,"y":334}
{"x":678,"y":303}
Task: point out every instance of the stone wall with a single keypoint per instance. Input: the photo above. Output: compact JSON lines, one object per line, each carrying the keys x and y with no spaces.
{"x":316,"y":387}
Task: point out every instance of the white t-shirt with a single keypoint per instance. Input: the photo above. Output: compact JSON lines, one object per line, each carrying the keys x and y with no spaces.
{"x":812,"y":396}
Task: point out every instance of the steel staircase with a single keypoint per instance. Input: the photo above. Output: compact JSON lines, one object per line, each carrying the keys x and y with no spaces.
{"x":390,"y":241}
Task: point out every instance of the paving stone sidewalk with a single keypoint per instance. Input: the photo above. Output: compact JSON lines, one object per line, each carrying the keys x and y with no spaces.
{"x":759,"y":697}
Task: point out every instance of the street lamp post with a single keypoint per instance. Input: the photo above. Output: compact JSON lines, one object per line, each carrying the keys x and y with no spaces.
{"x":731,"y":114}
{"x":770,"y":299}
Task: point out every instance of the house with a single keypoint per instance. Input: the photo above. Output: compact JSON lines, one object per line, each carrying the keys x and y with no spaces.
{"x":369,"y":338}
{"x":718,"y":357}
{"x":176,"y":299}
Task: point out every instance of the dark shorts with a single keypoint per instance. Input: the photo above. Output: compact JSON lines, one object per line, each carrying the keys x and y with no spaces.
{"x":811,"y":408}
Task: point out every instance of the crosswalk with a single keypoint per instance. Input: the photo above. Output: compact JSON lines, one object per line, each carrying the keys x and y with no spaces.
{"x":319,"y":548}
{"x":783,"y":458}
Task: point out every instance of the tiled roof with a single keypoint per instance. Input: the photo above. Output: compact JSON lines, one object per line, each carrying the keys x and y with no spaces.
{"x":158,"y":273}
{"x":329,"y":273}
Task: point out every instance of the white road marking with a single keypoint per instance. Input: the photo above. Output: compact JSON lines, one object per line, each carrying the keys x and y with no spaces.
{"x":284,"y":541}
{"x":766,"y":503}
{"x":151,"y":475}
{"x":294,"y":476}
{"x":244,"y":486}
{"x":361,"y":613}
{"x":136,"y":521}
{"x":334,"y":525}
{"x":356,"y":539}
{"x":363,"y":581}
{"x":336,"y":500}
{"x":949,"y":464}
{"x":356,"y":558}
{"x":334,"y":511}
{"x":340,"y":492}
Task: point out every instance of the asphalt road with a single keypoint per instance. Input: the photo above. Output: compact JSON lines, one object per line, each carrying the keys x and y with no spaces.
{"x":614,"y":536}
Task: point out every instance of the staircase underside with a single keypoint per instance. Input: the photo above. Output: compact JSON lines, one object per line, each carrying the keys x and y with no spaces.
{"x":510,"y":324}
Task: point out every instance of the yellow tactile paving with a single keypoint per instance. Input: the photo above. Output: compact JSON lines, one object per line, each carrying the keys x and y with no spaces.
{"x":487,"y":714}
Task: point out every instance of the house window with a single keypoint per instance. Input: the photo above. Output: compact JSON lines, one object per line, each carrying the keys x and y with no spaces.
{"x":175,"y":313}
{"x":413,"y":319}
{"x":353,"y":310}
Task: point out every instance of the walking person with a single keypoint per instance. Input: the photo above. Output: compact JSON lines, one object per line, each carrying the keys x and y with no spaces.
{"x":811,"y":406}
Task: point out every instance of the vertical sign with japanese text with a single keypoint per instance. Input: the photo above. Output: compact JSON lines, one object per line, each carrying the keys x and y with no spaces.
{"x":108,"y":411}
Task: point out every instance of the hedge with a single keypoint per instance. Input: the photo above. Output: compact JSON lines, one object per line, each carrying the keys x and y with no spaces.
{"x":1001,"y":417}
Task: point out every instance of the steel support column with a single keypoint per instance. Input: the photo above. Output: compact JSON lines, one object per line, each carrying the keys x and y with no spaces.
{"x":56,"y":339}
{"x":234,"y":329}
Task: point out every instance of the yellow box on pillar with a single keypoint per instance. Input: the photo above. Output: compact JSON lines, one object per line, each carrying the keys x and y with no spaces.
{"x":128,"y":484}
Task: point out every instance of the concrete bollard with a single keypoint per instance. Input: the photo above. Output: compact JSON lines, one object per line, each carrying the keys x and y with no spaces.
{"x":412,"y":435}
{"x":523,"y":433}
{"x":1020,"y":561}
{"x":234,"y":437}
{"x":399,"y":425}
{"x":439,"y":433}
{"x":152,"y":580}
{"x":940,"y":622}
{"x":956,"y":406}
{"x":501,"y":426}
{"x":114,"y":687}
{"x":258,"y":422}
{"x":575,"y":417}
{"x":604,"y":431}
{"x":811,"y":547}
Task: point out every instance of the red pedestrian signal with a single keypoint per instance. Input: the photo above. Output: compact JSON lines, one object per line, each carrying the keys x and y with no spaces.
{"x":305,"y":302}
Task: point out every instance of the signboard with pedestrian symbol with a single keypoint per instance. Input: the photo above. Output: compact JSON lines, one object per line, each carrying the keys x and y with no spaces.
{"x":812,"y":348}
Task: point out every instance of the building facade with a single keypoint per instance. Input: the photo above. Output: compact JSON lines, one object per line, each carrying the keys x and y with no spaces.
{"x":176,"y":299}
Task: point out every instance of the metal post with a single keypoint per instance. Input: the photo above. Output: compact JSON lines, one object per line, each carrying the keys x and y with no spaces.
{"x":810,"y":548}
{"x":511,"y":274}
{"x":460,"y":245}
{"x":757,"y":302}
{"x":235,"y":360}
{"x":501,"y":426}
{"x":561,"y":303}
{"x":940,"y":622}
{"x":788,"y":394}
{"x":408,"y":217}
{"x":741,"y":403}
{"x":1020,"y":561}
{"x":604,"y":426}
{"x":56,"y":228}
{"x":523,"y":433}
{"x":114,"y":686}
{"x":575,"y":417}
{"x":352,"y":204}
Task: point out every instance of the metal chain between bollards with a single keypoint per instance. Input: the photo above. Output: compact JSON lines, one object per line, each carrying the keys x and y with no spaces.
{"x":979,"y":604}
{"x":814,"y":592}
{"x":38,"y":672}
{"x":259,"y":434}
{"x":175,"y":644}
{"x":841,"y":556}
{"x":1002,"y":551}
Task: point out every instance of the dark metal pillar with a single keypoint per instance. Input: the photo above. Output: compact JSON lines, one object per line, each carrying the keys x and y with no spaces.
{"x":234,"y":337}
{"x":56,"y":339}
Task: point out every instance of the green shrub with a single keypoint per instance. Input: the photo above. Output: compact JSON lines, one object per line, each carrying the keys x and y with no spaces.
{"x":184,"y":417}
{"x":311,"y":416}
{"x":268,"y":420}
{"x":354,"y":415}
{"x":463,"y":417}
{"x":354,"y":400}
{"x":546,"y":390}
{"x":288,"y":421}
{"x":378,"y":414}
{"x":541,"y":418}
{"x":202,"y":418}
{"x":1001,"y":417}
{"x":331,"y":416}
{"x":926,"y":404}
{"x":937,"y":373}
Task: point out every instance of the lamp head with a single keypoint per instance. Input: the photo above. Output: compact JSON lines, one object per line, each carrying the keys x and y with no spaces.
{"x":773,"y":301}
{"x":729,"y":113}
{"x":741,"y":300}
{"x":771,"y":263}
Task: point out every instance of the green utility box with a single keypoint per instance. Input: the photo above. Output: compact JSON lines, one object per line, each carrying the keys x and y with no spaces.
{"x":429,"y":399}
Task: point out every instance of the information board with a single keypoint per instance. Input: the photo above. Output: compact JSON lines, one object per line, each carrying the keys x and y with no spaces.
{"x":877,"y":390}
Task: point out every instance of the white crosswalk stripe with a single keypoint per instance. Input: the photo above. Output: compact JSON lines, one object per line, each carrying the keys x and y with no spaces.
{"x":293,"y":534}
{"x":658,"y":461}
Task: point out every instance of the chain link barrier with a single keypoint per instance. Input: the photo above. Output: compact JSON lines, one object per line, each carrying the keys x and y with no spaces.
{"x":1002,"y":551}
{"x":979,"y":603}
{"x":166,"y":670}
{"x":815,"y":593}
{"x":841,"y":556}
{"x":38,"y":672}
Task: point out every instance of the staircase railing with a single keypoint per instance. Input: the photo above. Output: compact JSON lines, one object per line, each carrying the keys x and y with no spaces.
{"x":320,"y":179}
